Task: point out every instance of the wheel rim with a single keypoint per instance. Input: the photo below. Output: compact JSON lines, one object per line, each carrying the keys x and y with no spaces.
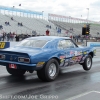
{"x":89,"y":62}
{"x":52,"y":70}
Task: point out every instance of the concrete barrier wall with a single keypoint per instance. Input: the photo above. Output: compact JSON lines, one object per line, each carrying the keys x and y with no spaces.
{"x":93,"y":44}
{"x":13,"y":43}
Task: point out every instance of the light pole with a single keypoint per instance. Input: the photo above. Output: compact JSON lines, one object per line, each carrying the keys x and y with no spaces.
{"x":13,"y":9}
{"x":42,"y":14}
{"x":87,"y":14}
{"x":87,"y":22}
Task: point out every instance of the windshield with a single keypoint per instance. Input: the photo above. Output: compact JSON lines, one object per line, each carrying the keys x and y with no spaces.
{"x":33,"y":43}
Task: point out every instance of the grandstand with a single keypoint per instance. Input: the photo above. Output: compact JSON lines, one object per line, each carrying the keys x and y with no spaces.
{"x":68,"y":25}
{"x":30,"y":24}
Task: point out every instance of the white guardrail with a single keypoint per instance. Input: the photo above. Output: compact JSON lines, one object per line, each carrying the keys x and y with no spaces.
{"x":13,"y":43}
{"x":94,"y":44}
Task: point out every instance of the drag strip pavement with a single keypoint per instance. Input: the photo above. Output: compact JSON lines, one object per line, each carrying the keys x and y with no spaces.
{"x":72,"y":84}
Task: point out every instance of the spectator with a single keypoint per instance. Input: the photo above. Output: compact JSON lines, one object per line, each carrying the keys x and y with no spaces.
{"x":71,"y":36}
{"x":1,"y":37}
{"x":4,"y":35}
{"x":47,"y":26}
{"x":12,"y":18}
{"x":14,"y":35}
{"x":50,"y":26}
{"x":56,"y":28}
{"x":1,"y":27}
{"x":76,"y":38}
{"x":71,"y":29}
{"x":8,"y":36}
{"x":7,"y":23}
{"x":26,"y":36}
{"x":18,"y":23}
{"x":21,"y":24}
{"x":47,"y":32}
{"x":17,"y":37}
{"x":22,"y":36}
{"x":81,"y":39}
{"x":34,"y":33}
{"x":59,"y":30}
{"x":11,"y":36}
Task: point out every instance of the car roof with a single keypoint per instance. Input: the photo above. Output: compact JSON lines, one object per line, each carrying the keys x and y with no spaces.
{"x":48,"y":37}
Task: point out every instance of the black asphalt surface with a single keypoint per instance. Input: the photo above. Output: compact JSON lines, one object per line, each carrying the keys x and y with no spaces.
{"x":72,"y":84}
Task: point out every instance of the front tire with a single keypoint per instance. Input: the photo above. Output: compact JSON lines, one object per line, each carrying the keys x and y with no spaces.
{"x":15,"y":72}
{"x":87,"y":63}
{"x":50,"y":71}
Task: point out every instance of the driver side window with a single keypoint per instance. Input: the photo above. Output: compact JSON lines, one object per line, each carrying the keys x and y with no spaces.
{"x":64,"y":44}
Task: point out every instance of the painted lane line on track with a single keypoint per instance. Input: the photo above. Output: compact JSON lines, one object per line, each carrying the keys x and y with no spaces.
{"x":81,"y":95}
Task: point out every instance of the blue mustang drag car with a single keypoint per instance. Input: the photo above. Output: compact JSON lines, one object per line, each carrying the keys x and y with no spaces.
{"x":46,"y":55}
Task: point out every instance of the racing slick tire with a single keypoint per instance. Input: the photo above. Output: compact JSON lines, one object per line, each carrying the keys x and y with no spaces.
{"x":15,"y":72}
{"x":87,"y":63}
{"x":50,"y":71}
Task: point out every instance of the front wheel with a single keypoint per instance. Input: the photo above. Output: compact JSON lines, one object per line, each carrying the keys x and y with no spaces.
{"x":87,"y":63}
{"x":15,"y":72}
{"x":50,"y":71}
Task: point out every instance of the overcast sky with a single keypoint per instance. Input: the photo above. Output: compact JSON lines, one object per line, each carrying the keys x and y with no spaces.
{"x":73,"y":8}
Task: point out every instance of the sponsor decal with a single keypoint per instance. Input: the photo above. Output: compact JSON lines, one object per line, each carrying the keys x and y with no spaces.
{"x":68,"y":54}
{"x":84,"y":57}
{"x":79,"y":58}
{"x":94,"y":51}
{"x":71,"y":60}
{"x":85,"y":53}
{"x":62,"y":63}
{"x":76,"y":59}
{"x":62,"y":57}
{"x":77,"y":53}
{"x":40,"y":64}
{"x":2,"y":45}
{"x":62,"y":60}
{"x":66,"y":62}
{"x":72,"y":52}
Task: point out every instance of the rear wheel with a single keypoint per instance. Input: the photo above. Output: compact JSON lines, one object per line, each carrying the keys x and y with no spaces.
{"x":50,"y":71}
{"x":87,"y":63}
{"x":15,"y":72}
